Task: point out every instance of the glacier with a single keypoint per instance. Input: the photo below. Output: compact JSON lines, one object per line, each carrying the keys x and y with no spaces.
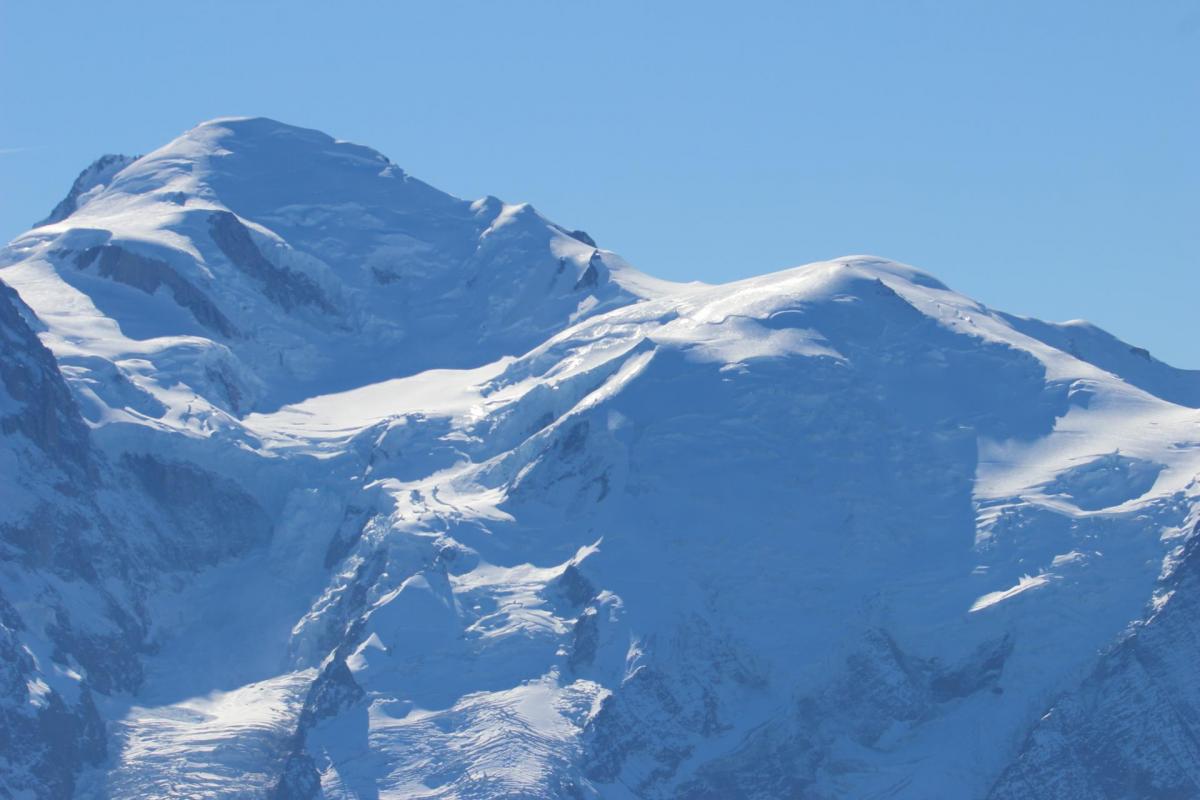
{"x":320,"y":482}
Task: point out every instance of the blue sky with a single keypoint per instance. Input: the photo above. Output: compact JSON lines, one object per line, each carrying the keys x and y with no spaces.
{"x":1041,"y":157}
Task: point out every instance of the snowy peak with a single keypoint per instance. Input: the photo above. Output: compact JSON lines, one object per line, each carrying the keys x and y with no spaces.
{"x":1068,"y":351}
{"x":257,"y":166}
{"x":305,"y":262}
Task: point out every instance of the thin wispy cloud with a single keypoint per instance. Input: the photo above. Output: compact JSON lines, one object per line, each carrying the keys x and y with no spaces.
{"x":8,"y":151}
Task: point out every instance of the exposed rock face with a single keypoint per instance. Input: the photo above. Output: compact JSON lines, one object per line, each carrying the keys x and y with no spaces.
{"x":283,"y":286}
{"x":1132,"y":727}
{"x":149,"y":275}
{"x":583,"y":237}
{"x":44,"y":739}
{"x":211,"y":518}
{"x":36,"y":402}
{"x":83,"y":542}
{"x":47,"y":732}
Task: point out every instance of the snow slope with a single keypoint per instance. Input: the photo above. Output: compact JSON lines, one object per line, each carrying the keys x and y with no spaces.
{"x":436,"y":500}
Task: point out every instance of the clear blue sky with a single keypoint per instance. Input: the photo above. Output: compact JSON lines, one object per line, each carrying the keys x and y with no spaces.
{"x":1043,"y":157}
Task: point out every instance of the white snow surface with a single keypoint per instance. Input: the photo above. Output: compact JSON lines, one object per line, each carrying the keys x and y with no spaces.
{"x":835,"y":531}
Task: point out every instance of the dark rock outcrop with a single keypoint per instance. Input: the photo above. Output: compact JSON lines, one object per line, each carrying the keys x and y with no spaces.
{"x":284,"y":287}
{"x":1132,"y":727}
{"x":149,"y":275}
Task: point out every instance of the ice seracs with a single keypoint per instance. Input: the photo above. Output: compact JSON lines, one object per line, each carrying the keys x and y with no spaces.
{"x":424,"y":498}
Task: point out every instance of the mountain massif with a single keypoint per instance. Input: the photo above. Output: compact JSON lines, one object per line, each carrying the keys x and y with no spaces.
{"x":316,"y":481}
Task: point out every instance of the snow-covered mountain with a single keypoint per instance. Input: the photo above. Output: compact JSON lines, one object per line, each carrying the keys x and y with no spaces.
{"x":319,"y":482}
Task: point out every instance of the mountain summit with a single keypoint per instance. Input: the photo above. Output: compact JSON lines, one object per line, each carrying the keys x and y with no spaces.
{"x":307,"y":262}
{"x":324,"y":483}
